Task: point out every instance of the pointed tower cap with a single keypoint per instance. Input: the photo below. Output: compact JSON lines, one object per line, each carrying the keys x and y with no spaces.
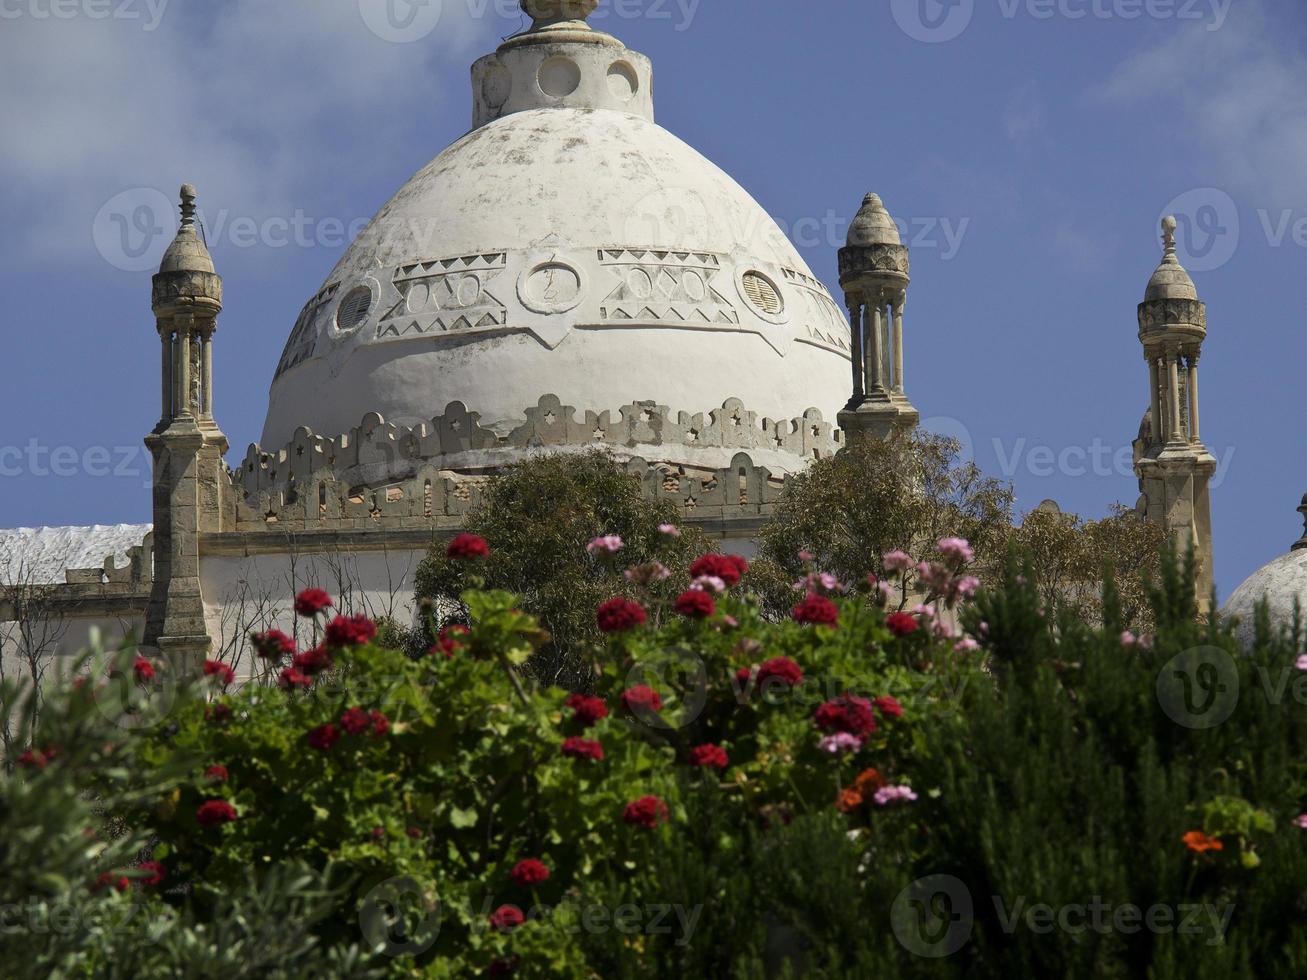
{"x":187,"y":253}
{"x":1170,"y":281}
{"x":873,"y":225}
{"x":546,"y":13}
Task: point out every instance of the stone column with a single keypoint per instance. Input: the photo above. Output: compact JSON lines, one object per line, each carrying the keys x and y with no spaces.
{"x":184,"y":379}
{"x":1154,"y":385}
{"x":898,"y":343}
{"x":165,"y":344}
{"x":1173,"y":380}
{"x":1192,"y":363}
{"x":206,"y":338}
{"x":876,"y":383}
{"x":855,"y":333}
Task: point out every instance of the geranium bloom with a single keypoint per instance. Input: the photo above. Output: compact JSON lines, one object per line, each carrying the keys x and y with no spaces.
{"x":529,"y":872}
{"x":143,"y":669}
{"x":1198,"y":842}
{"x":216,"y":774}
{"x":709,"y":583}
{"x":291,"y":678}
{"x":468,"y":546}
{"x":846,"y":713}
{"x":816,"y":610}
{"x":217,"y":669}
{"x":783,"y":669}
{"x":1302,"y":662}
{"x":380,"y":723}
{"x":889,"y":707}
{"x":450,"y":640}
{"x":729,"y":568}
{"x":956,"y":549}
{"x":965,"y":645}
{"x":1300,"y":821}
{"x":964,"y":587}
{"x":709,"y":756}
{"x":608,"y":544}
{"x":840,"y":743}
{"x":582,"y":748}
{"x":212,"y":813}
{"x":671,"y":530}
{"x":506,"y":918}
{"x":313,"y":661}
{"x":36,"y":758}
{"x":868,"y":781}
{"x":155,"y":872}
{"x":585,"y":709}
{"x":218,"y":714}
{"x":893,"y":794}
{"x":695,"y":604}
{"x":641,"y":697}
{"x":848,"y":800}
{"x":901,"y":623}
{"x":119,"y":883}
{"x":895,"y":562}
{"x":350,"y":631}
{"x":311,"y":602}
{"x":617,"y":615}
{"x":647,"y":574}
{"x":355,"y":721}
{"x":323,"y":737}
{"x":273,"y":645}
{"x":1128,"y":639}
{"x":645,"y":812}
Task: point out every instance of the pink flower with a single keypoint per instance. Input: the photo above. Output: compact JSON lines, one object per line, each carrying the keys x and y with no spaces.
{"x":1302,"y":661}
{"x":708,"y":583}
{"x":1300,"y":821}
{"x":647,"y":575}
{"x":893,"y":794}
{"x":609,"y":544}
{"x":839,"y":743}
{"x":805,"y":555}
{"x":1128,"y":639}
{"x":964,"y":587}
{"x":895,"y":562}
{"x":956,"y":550}
{"x":966,"y":645}
{"x":671,"y":530}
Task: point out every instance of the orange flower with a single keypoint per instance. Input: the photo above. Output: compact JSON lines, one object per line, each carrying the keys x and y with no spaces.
{"x":868,"y":781}
{"x":849,"y":800}
{"x":1199,"y":842}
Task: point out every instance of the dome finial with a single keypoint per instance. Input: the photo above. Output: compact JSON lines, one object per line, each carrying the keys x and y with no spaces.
{"x":546,"y":13}
{"x":188,"y":205}
{"x":1169,"y":225}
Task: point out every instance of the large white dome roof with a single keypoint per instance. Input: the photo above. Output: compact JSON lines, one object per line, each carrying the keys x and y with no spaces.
{"x":568,"y":245}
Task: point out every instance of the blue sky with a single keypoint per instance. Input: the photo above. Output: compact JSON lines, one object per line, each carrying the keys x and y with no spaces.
{"x":1028,"y":146}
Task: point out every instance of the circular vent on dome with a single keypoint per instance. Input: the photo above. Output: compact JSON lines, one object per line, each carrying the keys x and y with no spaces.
{"x":353,"y":309}
{"x":762,"y":293}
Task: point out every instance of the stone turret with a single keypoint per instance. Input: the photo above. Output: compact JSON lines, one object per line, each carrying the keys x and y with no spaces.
{"x":1173,"y":465}
{"x":874,"y":276}
{"x":187,"y":446}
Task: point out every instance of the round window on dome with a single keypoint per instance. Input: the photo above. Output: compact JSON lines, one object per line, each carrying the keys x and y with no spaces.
{"x":762,"y":293}
{"x":353,"y":309}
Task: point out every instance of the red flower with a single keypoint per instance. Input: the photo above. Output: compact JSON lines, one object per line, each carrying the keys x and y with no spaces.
{"x":293,"y":677}
{"x":889,"y":707}
{"x":36,"y":758}
{"x":729,"y":568}
{"x":645,"y":812}
{"x":220,"y":670}
{"x":323,"y":737}
{"x":506,"y":918}
{"x":1198,"y":842}
{"x":313,"y":661}
{"x":144,"y":670}
{"x":618,"y":615}
{"x":218,"y":714}
{"x":901,"y":623}
{"x":355,"y":721}
{"x":816,"y":610}
{"x":641,"y":698}
{"x":529,"y":872}
{"x":157,"y":873}
{"x":216,"y":774}
{"x":448,"y":642}
{"x":705,"y":756}
{"x":380,"y":724}
{"x":350,"y":631}
{"x":273,"y":645}
{"x":783,"y":669}
{"x":213,"y":813}
{"x":743,"y":676}
{"x":586,"y":710}
{"x":310,"y":602}
{"x":583,"y":748}
{"x":108,"y":879}
{"x":414,"y":832}
{"x":846,"y":713}
{"x":468,"y":546}
{"x":695,"y":604}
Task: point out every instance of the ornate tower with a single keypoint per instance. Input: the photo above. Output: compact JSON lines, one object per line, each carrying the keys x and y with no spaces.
{"x":187,"y":446}
{"x":874,"y":277}
{"x":1172,"y":463}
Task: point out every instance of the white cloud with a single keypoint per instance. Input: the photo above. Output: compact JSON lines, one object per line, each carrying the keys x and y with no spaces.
{"x":267,"y":105}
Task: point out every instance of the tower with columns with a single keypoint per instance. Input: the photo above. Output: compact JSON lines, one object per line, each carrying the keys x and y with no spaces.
{"x":874,"y":277}
{"x":187,"y":446}
{"x":1173,"y":465}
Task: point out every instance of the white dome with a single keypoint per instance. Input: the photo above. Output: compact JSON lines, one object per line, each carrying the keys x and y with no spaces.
{"x":1282,"y":583}
{"x":569,"y":250}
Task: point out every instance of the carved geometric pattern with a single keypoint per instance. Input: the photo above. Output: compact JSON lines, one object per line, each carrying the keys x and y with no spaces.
{"x":823,"y":322}
{"x":304,"y":338}
{"x":446,"y":295}
{"x":1160,"y":313}
{"x":873,"y":258}
{"x":661,"y":286}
